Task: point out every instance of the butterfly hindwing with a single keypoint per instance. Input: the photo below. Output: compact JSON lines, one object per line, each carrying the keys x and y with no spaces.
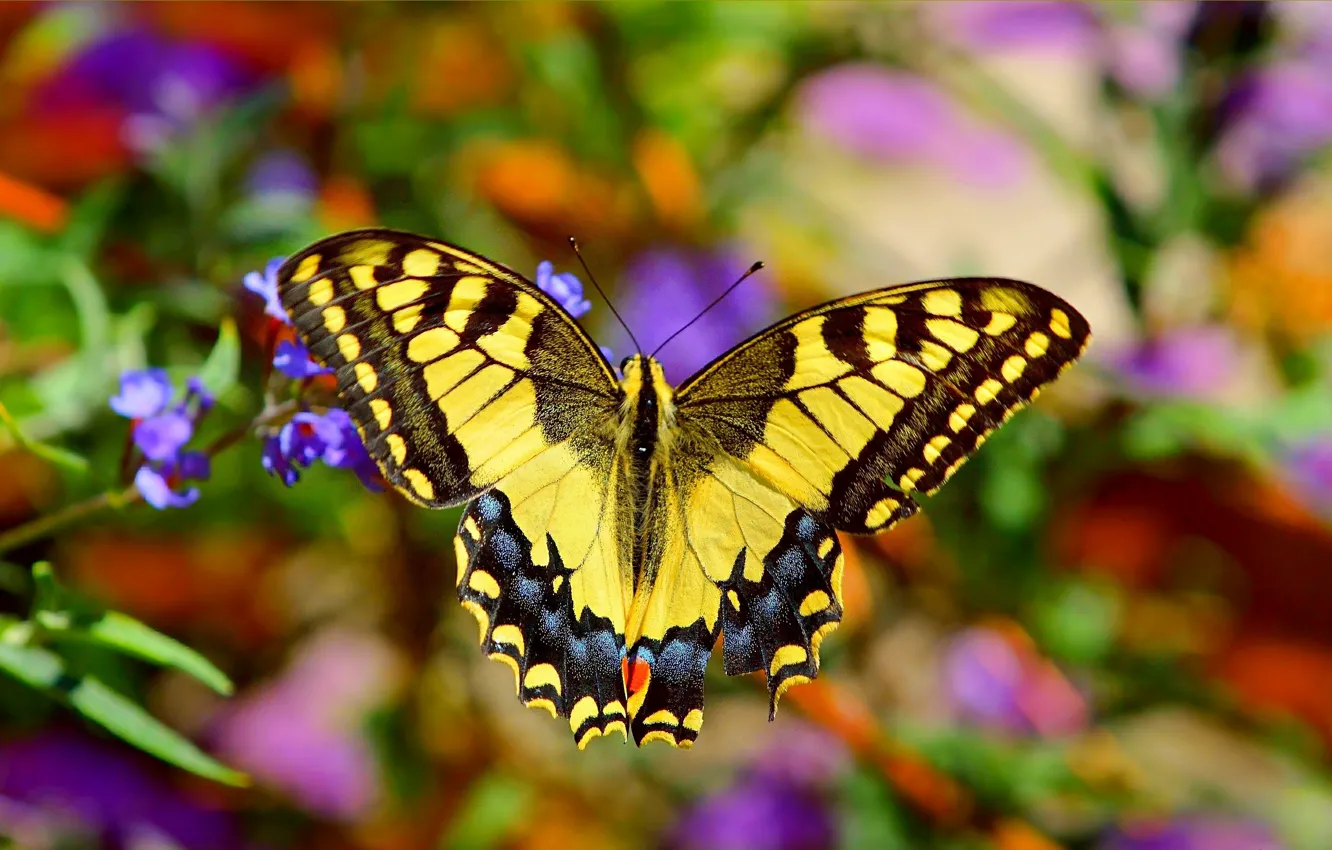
{"x":455,"y":369}
{"x":537,"y":619}
{"x":852,"y":407}
{"x":733,"y":558}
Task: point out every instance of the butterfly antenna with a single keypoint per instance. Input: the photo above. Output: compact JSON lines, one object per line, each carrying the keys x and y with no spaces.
{"x":705,"y":310}
{"x":573,"y":243}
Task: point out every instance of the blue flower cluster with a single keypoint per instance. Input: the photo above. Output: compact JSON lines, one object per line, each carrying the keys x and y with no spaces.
{"x":161,"y":431}
{"x":564,"y":287}
{"x":291,"y":357}
{"x":309,"y":437}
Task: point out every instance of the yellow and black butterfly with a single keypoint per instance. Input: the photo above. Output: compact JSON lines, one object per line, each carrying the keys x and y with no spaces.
{"x":617,"y":527}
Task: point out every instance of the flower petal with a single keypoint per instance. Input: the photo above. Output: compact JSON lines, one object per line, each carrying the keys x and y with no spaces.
{"x":143,"y":393}
{"x":161,"y":437}
{"x":293,"y":360}
{"x":265,"y":286}
{"x":158,"y":493}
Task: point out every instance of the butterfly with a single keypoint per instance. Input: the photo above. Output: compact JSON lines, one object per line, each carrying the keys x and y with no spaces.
{"x":617,"y":527}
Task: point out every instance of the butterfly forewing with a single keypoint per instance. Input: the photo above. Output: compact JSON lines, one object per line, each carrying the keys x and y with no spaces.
{"x":455,"y":369}
{"x":852,"y":407}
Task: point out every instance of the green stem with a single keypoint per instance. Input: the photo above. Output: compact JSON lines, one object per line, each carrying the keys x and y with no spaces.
{"x":49,"y":524}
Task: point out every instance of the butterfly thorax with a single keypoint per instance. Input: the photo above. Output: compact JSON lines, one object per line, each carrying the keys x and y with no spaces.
{"x":647,"y":416}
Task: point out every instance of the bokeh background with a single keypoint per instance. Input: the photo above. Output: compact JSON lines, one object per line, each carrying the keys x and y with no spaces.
{"x":1109,"y":631}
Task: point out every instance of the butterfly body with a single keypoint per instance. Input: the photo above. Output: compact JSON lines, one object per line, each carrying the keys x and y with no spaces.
{"x":618,"y":528}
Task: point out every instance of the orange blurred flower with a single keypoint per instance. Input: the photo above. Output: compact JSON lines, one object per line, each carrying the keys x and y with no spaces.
{"x":32,"y":205}
{"x":1281,"y":278}
{"x":669,"y":178}
{"x":460,"y":66}
{"x":857,"y":600}
{"x":316,"y":77}
{"x":266,"y":36}
{"x":537,"y":183}
{"x":65,"y":149}
{"x":1012,"y":834}
{"x":1283,"y":676}
{"x":345,"y":202}
{"x":208,"y":582}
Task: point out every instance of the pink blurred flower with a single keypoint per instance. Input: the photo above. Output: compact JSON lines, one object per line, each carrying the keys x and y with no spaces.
{"x":1145,"y":54}
{"x":1193,"y":362}
{"x":1308,"y":466}
{"x":1195,"y":833}
{"x":1020,"y":24}
{"x":991,"y":682}
{"x":302,"y":732}
{"x":894,"y":116}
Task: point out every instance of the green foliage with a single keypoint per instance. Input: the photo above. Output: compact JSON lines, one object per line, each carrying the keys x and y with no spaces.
{"x":30,"y":652}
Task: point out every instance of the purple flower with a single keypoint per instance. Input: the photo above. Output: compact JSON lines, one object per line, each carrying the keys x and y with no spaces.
{"x":893,"y":116}
{"x":1281,"y":113}
{"x":161,"y":437}
{"x":1188,"y":362}
{"x":143,"y":393}
{"x":164,"y":85}
{"x":990,"y":683}
{"x":1145,"y":53}
{"x":1308,"y":466}
{"x":1281,"y":116}
{"x":156,"y":482}
{"x":779,"y":802}
{"x":105,"y":789}
{"x":667,"y":287}
{"x":308,"y":437}
{"x":565,"y":288}
{"x":1194,"y":833}
{"x":983,"y":675}
{"x":283,"y":173}
{"x":161,"y":433}
{"x":265,"y":286}
{"x":293,"y":359}
{"x":1020,"y":24}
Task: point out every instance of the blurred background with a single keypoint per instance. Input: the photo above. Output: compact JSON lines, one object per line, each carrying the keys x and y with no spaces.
{"x":1109,"y":631}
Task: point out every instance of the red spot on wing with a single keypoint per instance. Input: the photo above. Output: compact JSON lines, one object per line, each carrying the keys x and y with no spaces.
{"x":635,"y":676}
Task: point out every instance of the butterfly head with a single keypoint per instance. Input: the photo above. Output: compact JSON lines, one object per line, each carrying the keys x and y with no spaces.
{"x":643,"y":375}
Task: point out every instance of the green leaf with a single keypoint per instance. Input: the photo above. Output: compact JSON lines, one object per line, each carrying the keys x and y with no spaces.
{"x":44,"y":670}
{"x":54,"y":454}
{"x":89,"y":218}
{"x":1076,"y":621}
{"x":222,"y":368}
{"x":65,"y":616}
{"x":494,"y":808}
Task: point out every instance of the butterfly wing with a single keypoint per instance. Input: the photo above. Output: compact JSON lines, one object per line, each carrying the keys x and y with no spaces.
{"x":833,"y":419}
{"x":467,"y":382}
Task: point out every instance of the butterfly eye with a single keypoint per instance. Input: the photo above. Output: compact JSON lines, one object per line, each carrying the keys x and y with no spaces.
{"x":624,"y":364}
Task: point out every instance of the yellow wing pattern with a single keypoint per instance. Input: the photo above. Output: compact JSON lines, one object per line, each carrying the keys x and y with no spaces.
{"x":851,"y":407}
{"x":469,"y":383}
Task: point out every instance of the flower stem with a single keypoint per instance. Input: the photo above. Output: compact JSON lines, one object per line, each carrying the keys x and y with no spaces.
{"x":44,"y":526}
{"x":50,"y":523}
